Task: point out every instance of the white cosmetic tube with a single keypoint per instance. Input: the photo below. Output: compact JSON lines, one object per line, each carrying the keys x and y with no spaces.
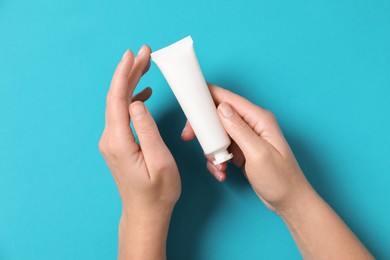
{"x":181,"y":69}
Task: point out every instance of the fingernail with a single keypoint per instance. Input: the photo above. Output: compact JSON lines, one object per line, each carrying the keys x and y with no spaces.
{"x":226,"y":109}
{"x":220,"y":176}
{"x":138,"y":110}
{"x":125,"y":55}
{"x":184,"y":131}
{"x":218,"y":172}
{"x":142,"y":50}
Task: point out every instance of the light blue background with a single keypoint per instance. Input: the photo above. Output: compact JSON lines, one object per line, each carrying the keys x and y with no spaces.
{"x":323,"y":67}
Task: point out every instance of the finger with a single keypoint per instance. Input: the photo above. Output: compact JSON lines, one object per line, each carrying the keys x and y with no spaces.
{"x":223,"y":95}
{"x":146,"y":69}
{"x":221,"y":167}
{"x":117,"y":115}
{"x":262,"y":121}
{"x":255,"y":116}
{"x":152,"y":145}
{"x":141,"y":64}
{"x":259,"y":119}
{"x":238,"y":156}
{"x":244,"y":136}
{"x":144,"y":95}
{"x":187,"y":133}
{"x":220,"y":95}
{"x":218,"y":174}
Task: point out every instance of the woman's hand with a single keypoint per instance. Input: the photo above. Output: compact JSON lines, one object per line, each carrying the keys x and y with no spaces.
{"x":259,"y":149}
{"x":266,"y":159}
{"x":146,"y":173}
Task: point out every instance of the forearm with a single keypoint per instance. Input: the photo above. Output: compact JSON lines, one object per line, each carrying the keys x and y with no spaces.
{"x":143,"y":237}
{"x":319,"y":232}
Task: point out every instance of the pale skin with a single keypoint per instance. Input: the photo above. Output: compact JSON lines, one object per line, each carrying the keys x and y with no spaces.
{"x":149,"y":182}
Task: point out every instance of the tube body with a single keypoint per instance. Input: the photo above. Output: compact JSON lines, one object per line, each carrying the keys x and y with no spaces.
{"x":181,"y":69}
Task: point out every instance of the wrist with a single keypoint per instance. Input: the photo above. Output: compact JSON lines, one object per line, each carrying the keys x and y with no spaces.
{"x":305,"y":200}
{"x":143,"y":234}
{"x":146,"y":216}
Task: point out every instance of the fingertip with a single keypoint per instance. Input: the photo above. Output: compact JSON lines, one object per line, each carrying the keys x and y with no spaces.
{"x":143,"y":96}
{"x":149,"y":91}
{"x":222,"y":170}
{"x":238,"y":129}
{"x":137,"y":110}
{"x":125,"y":65}
{"x":222,"y":166}
{"x":226,"y":110}
{"x":148,"y":48}
{"x":218,"y":175}
{"x":144,"y":50}
{"x":127,"y":54}
{"x":187,"y":136}
{"x":188,"y":133}
{"x":223,"y":177}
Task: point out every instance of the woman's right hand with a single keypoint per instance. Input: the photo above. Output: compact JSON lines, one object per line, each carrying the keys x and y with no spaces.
{"x":259,"y":149}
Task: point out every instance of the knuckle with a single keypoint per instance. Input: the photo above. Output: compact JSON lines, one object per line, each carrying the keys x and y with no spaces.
{"x":112,"y":98}
{"x":162,"y":167}
{"x":112,"y":153}
{"x":102,"y":146}
{"x":112,"y":149}
{"x":102,"y":143}
{"x":239,"y":125}
{"x":147,"y":130}
{"x":225,"y":96}
{"x":270,"y":117}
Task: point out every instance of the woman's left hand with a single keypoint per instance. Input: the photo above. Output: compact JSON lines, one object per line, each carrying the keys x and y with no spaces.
{"x":146,"y":173}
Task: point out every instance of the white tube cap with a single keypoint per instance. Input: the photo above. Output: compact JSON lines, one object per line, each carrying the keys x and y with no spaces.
{"x":221,"y":156}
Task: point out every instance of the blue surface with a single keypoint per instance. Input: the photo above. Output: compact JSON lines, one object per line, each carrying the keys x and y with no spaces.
{"x":323,"y":67}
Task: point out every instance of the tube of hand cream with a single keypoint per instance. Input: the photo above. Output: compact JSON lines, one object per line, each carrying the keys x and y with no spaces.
{"x":180,"y":67}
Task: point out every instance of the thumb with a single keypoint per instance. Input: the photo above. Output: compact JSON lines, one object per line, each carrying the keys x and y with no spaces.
{"x":244,"y":136}
{"x":153,"y":147}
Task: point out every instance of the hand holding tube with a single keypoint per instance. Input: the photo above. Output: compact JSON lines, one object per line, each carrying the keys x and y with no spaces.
{"x":261,"y":151}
